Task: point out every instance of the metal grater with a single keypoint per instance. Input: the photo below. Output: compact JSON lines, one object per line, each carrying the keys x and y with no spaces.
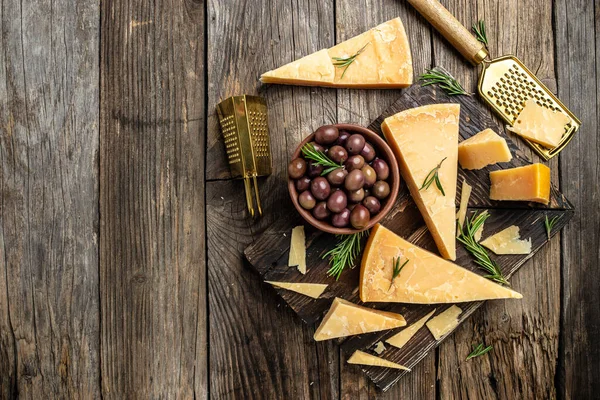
{"x":245,"y":129}
{"x":505,"y":83}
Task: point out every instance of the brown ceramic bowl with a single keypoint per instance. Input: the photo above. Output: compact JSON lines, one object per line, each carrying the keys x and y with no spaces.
{"x":383,"y":151}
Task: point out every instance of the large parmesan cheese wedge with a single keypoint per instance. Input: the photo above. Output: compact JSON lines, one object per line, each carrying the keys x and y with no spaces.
{"x":384,"y":62}
{"x":400,"y":339}
{"x":425,"y":279}
{"x":528,"y":183}
{"x":346,"y":319}
{"x":421,"y":138}
{"x":362,"y":358}
{"x":313,"y":290}
{"x":540,"y":124}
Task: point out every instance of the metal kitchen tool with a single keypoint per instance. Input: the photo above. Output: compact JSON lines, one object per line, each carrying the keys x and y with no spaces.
{"x":505,"y":83}
{"x":245,"y":130}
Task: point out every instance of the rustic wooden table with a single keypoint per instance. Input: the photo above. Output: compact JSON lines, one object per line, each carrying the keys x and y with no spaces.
{"x":121,"y":233}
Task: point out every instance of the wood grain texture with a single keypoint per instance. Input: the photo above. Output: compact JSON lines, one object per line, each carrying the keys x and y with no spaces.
{"x":152,"y":254}
{"x":49,"y":307}
{"x":577,"y":24}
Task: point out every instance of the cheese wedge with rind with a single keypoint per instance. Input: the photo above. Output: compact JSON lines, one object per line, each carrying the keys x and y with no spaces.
{"x":425,"y":279}
{"x":528,"y":183}
{"x":401,"y":338}
{"x":385,"y":62}
{"x":540,"y":124}
{"x":421,"y":138}
{"x":508,"y":241}
{"x":443,"y":324}
{"x":346,"y":319}
{"x":362,"y":358}
{"x":483,"y":149}
{"x":314,"y":290}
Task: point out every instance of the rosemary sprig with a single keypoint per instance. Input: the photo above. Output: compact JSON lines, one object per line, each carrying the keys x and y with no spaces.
{"x":482,"y":258}
{"x":344,"y":62}
{"x":433,"y":176}
{"x":319,"y":158}
{"x":445,"y":81}
{"x":478,"y":350}
{"x":344,"y":253}
{"x":549,"y":224}
{"x":397,"y":269}
{"x":479,"y":29}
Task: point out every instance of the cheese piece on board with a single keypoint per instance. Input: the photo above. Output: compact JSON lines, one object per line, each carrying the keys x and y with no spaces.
{"x":400,"y":339}
{"x":465,"y":194}
{"x":421,"y":138}
{"x":483,"y":149}
{"x":314,"y":290}
{"x":362,"y":358}
{"x":540,"y":124}
{"x":425,"y":279}
{"x":384,"y":62}
{"x":478,"y":233}
{"x":379,"y":347}
{"x":297,"y":255}
{"x":528,"y":183}
{"x":345,"y":319}
{"x":508,"y":241}
{"x":442,"y":324}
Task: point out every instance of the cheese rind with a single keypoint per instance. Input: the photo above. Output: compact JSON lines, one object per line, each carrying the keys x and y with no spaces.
{"x":362,"y":358}
{"x":421,"y":138}
{"x":297,"y":255}
{"x":346,"y":319}
{"x":508,"y":241}
{"x":400,"y":339}
{"x":314,"y":290}
{"x":483,"y":149}
{"x":442,"y":324}
{"x":425,"y":279}
{"x":528,"y":183}
{"x":385,"y":62}
{"x":540,"y":124}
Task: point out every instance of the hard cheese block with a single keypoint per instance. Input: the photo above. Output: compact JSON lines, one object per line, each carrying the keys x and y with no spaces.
{"x":540,"y":124}
{"x":421,"y":138}
{"x":297,"y":255}
{"x":483,"y":149}
{"x":425,"y":279}
{"x":528,"y":183}
{"x":508,"y":241}
{"x":400,"y":339}
{"x":444,"y":323}
{"x":384,"y":62}
{"x":362,"y":358}
{"x":345,"y":319}
{"x":313,"y":290}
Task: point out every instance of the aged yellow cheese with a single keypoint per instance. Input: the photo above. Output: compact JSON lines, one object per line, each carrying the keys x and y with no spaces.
{"x":425,"y":279}
{"x":297,"y":255}
{"x":379,"y":347}
{"x":442,"y":324}
{"x":400,"y":339}
{"x":421,"y":138}
{"x":528,"y":183}
{"x":313,"y":290}
{"x":540,"y":124}
{"x":478,"y":233}
{"x":465,"y":193}
{"x":384,"y":62}
{"x":483,"y":149}
{"x":508,"y":241}
{"x":362,"y":358}
{"x":345,"y":319}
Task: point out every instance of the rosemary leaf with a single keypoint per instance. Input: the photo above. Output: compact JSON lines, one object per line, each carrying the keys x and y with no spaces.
{"x":433,"y":176}
{"x":397,"y":269}
{"x":445,"y":81}
{"x":479,"y":29}
{"x":344,"y":253}
{"x":344,"y":62}
{"x":478,"y":350}
{"x":549,"y":224}
{"x":319,"y":158}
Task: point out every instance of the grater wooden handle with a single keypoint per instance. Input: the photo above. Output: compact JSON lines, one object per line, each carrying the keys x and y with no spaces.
{"x":451,"y":29}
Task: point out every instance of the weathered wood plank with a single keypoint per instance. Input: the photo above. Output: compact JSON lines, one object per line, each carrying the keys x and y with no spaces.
{"x":577,"y":25}
{"x":152,"y":254}
{"x":49,"y":323}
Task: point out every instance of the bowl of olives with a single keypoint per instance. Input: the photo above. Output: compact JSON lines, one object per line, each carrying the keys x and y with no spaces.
{"x":343,"y":179}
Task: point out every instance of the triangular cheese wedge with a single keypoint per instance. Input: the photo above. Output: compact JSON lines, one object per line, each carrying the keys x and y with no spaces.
{"x":421,"y":138}
{"x":508,"y":241}
{"x":400,"y":339}
{"x":362,"y":358}
{"x":384,"y":62}
{"x":313,"y":290}
{"x":346,"y":319}
{"x":443,"y":324}
{"x":425,"y":279}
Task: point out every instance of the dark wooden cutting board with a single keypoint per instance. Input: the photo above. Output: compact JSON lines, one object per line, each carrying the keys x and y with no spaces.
{"x":269,"y":253}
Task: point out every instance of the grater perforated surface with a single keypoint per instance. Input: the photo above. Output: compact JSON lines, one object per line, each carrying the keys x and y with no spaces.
{"x":230,"y":139}
{"x":259,"y":133}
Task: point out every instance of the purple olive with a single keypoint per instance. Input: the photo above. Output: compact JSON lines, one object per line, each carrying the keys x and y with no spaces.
{"x":381,"y":190}
{"x":355,"y":144}
{"x":355,"y":162}
{"x":318,"y":147}
{"x":320,"y":211}
{"x":296,"y":168}
{"x":372,"y":204}
{"x":302,"y":184}
{"x":368,"y":152}
{"x":314,"y":170}
{"x":355,"y":180}
{"x":370,"y":175}
{"x":381,"y":168}
{"x":326,"y":134}
{"x":338,"y":154}
{"x":360,"y":217}
{"x":341,"y":140}
{"x":337,"y":201}
{"x":307,"y":200}
{"x":320,"y":188}
{"x":341,"y":219}
{"x":356,"y":196}
{"x":337,"y":176}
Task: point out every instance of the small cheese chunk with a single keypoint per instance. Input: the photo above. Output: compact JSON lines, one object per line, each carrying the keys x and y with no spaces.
{"x":528,"y":183}
{"x":483,"y":149}
{"x":400,"y":339}
{"x":540,"y":124}
{"x":362,"y":358}
{"x":379,"y":347}
{"x":384,"y":62}
{"x":298,"y":249}
{"x":478,"y":233}
{"x":508,"y":241}
{"x":464,"y":203}
{"x":345,"y":319}
{"x":421,"y":138}
{"x":425,"y":279}
{"x":313,"y":290}
{"x":442,"y":324}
